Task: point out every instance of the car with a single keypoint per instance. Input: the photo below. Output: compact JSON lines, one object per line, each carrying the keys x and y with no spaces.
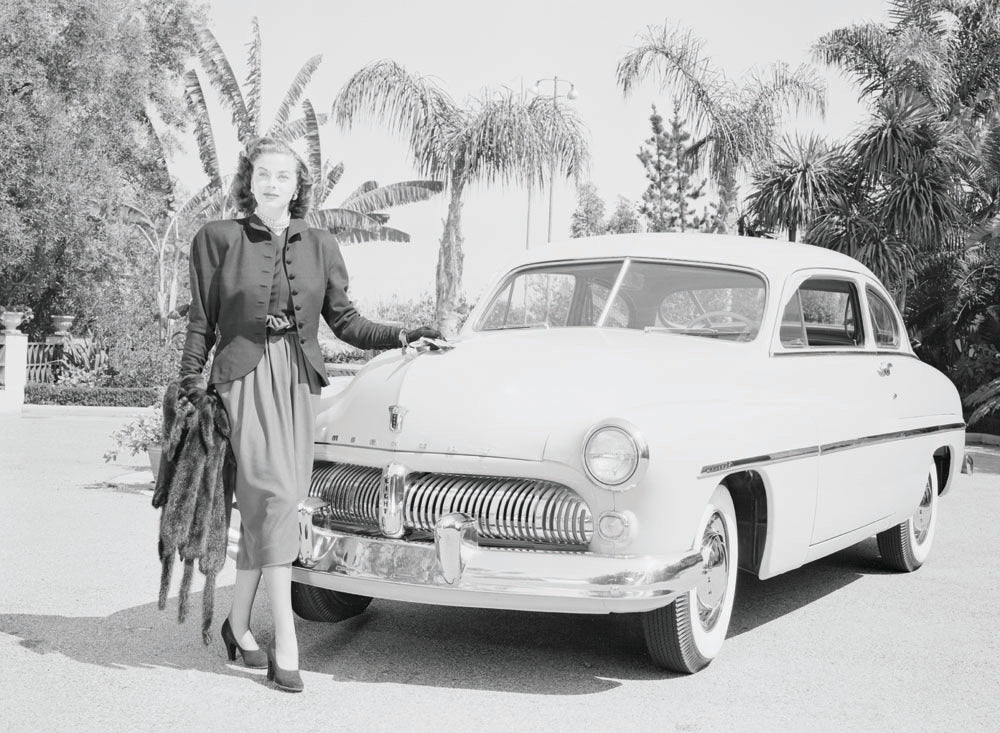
{"x":621,"y":425}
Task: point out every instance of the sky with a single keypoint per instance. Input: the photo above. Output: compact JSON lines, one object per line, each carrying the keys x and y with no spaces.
{"x":469,"y":47}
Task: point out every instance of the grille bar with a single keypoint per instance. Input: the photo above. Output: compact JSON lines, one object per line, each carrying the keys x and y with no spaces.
{"x":504,"y":508}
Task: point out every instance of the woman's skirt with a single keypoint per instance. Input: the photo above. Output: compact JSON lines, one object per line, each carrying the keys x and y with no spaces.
{"x":272,"y":411}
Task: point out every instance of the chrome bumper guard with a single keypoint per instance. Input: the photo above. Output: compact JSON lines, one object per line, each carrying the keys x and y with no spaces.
{"x":455,"y":570}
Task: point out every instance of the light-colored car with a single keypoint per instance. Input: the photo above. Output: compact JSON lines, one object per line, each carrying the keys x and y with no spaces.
{"x":623,"y":423}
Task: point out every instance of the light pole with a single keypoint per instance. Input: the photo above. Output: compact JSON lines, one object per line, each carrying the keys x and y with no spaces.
{"x":570,"y":95}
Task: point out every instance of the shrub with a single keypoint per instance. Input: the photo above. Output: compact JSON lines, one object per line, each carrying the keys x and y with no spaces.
{"x":137,"y":436}
{"x":58,"y":394}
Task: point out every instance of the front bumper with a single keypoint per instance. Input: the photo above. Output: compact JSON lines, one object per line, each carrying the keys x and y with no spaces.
{"x":454,"y":570}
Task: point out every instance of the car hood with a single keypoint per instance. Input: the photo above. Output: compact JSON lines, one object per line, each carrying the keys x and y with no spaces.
{"x":502,"y":394}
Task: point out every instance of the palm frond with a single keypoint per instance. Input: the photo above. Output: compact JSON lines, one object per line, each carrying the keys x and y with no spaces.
{"x":862,"y":51}
{"x":297,"y":129}
{"x":204,"y":137}
{"x":349,"y":235}
{"x":220,"y":75}
{"x":329,"y":178}
{"x":254,"y":83}
{"x":902,"y":131}
{"x":778,"y":87}
{"x":197,"y":204}
{"x":393,"y":194}
{"x":347,"y":218}
{"x":313,"y":151}
{"x":408,"y":104}
{"x":295,"y":91}
{"x":675,"y":57}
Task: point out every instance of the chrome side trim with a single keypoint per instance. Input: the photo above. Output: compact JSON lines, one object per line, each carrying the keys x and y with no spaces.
{"x":787,"y":455}
{"x":818,"y":450}
{"x":887,"y":437}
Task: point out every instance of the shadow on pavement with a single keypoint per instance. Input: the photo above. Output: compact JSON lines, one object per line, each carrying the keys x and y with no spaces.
{"x":761,"y":601}
{"x":138,"y":637}
{"x":414,"y":644}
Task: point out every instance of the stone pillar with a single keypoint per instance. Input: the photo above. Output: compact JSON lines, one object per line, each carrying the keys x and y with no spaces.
{"x":14,"y":358}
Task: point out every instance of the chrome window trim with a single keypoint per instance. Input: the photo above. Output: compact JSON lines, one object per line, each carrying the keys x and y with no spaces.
{"x":613,"y":293}
{"x":849,"y":351}
{"x":820,"y":450}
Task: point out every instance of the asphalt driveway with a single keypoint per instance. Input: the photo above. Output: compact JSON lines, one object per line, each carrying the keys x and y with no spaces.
{"x":837,"y":645}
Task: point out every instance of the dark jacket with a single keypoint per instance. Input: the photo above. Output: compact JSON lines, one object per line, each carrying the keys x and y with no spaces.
{"x":232,"y":267}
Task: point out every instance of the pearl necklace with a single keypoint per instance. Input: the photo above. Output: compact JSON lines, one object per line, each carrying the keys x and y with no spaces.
{"x":275,"y":225}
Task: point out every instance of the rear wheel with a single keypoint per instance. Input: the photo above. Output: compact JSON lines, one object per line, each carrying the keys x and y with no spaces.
{"x":688,"y":634}
{"x":906,"y":546}
{"x":321,"y":604}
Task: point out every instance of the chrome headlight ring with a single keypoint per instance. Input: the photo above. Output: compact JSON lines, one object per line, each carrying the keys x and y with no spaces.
{"x":638,"y":444}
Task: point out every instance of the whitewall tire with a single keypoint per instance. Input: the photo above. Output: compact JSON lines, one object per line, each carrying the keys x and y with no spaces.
{"x":906,"y":546}
{"x":688,"y":634}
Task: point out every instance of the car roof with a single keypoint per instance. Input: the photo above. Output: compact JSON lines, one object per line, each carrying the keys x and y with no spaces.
{"x":767,"y":255}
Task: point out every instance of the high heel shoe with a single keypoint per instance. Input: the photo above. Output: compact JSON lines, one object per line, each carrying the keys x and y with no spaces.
{"x":288,"y":680}
{"x":254,"y":658}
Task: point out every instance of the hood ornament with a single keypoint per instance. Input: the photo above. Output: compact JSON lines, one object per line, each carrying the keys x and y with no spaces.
{"x":396,"y":415}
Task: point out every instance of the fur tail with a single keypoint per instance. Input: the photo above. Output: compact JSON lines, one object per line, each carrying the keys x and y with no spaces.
{"x":207,"y":606}
{"x":185,"y":588}
{"x":168,"y":570}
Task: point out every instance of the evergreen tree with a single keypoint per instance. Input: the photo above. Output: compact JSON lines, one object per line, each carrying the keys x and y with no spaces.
{"x":625,"y":218}
{"x":668,"y":201}
{"x":588,"y":219}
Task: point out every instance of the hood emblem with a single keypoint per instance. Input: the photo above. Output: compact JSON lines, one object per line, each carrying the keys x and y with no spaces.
{"x":396,"y":415}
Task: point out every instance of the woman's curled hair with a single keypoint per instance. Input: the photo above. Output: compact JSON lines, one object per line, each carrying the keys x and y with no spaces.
{"x":240,"y":191}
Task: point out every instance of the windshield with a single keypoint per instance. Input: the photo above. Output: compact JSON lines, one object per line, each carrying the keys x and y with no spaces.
{"x":695,"y":300}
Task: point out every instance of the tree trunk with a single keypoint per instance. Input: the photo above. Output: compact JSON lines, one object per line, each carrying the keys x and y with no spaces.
{"x":450,"y":258}
{"x":793,"y":231}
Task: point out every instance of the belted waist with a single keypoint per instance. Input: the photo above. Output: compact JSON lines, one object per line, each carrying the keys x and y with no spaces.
{"x":279,"y":325}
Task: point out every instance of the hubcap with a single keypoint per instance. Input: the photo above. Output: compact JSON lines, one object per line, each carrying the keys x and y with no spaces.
{"x":711,"y":590}
{"x":922,"y":517}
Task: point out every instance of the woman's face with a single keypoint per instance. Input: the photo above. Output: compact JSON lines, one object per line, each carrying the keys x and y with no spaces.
{"x":274,"y":182}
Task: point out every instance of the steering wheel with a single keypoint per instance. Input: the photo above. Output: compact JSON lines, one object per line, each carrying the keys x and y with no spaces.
{"x":707,"y":318}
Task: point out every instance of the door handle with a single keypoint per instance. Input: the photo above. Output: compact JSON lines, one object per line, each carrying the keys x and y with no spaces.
{"x":885,"y":369}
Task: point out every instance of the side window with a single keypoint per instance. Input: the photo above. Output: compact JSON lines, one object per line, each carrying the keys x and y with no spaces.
{"x":793,"y":327}
{"x":823,"y":312}
{"x":883,"y":321}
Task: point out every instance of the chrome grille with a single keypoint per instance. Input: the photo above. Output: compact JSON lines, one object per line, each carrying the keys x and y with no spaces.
{"x":353,"y":491}
{"x":510,"y":509}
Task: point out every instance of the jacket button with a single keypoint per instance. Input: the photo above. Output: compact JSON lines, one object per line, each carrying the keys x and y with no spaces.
{"x":302,"y":341}
{"x":291,"y":276}
{"x":298,"y":307}
{"x":295,"y":292}
{"x":288,"y":262}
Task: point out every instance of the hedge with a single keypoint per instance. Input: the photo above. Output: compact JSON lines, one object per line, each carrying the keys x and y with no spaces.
{"x":57,"y":394}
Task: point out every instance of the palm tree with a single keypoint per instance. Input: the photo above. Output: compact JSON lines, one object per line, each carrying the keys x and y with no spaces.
{"x":496,"y":139}
{"x":804,"y":177}
{"x":734,"y":123}
{"x":359,"y":217}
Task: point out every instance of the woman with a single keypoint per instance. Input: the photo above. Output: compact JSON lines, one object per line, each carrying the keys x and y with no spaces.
{"x":264,"y":281}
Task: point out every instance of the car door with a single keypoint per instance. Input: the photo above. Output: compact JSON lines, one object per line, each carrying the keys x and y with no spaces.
{"x":905,"y":378}
{"x":823,"y":333}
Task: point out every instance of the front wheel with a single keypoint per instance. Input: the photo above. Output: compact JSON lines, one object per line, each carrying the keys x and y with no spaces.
{"x":688,"y":634}
{"x":906,"y":546}
{"x":321,"y":604}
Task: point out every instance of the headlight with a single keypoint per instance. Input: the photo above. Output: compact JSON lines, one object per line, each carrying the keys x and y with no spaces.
{"x":615,"y":455}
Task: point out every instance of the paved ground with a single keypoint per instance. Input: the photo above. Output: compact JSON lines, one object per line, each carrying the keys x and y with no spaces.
{"x":836,"y":645}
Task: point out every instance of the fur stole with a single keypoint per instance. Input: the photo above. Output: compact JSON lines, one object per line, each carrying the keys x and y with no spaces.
{"x":194,"y":488}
